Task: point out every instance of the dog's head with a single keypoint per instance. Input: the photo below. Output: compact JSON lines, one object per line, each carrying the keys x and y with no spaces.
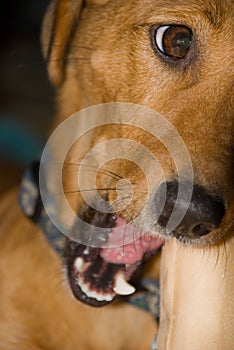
{"x":176,"y":59}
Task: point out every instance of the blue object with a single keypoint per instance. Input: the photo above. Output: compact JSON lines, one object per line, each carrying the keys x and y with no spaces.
{"x":18,"y":142}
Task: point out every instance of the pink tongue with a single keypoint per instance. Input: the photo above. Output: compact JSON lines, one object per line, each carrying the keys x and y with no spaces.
{"x":127,"y":245}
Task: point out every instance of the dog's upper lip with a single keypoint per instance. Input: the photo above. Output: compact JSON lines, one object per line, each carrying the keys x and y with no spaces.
{"x":132,"y":251}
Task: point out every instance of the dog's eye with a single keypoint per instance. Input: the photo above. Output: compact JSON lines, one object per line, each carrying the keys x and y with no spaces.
{"x":173,"y":40}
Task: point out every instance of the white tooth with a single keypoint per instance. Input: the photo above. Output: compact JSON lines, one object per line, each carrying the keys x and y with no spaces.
{"x":92,"y":294}
{"x":122,"y":287}
{"x":86,"y":251}
{"x":79,"y":264}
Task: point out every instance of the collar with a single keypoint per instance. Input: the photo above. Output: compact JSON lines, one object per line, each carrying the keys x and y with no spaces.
{"x":31,"y":204}
{"x":148,"y":300}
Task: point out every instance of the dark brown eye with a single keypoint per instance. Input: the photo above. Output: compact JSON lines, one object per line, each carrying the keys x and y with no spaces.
{"x":173,"y":40}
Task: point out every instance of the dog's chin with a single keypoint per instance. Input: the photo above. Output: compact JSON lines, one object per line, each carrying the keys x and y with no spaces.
{"x":98,"y":274}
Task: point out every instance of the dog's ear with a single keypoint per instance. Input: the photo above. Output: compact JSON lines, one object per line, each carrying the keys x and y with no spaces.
{"x":58,"y":25}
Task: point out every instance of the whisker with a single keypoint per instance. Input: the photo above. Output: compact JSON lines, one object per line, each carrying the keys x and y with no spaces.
{"x":217,"y":258}
{"x":90,"y":190}
{"x":134,"y":238}
{"x":142,"y":234}
{"x":103,"y":171}
{"x":226,"y":257}
{"x":124,"y":236}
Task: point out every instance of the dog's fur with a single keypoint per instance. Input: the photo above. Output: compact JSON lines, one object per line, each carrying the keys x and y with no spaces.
{"x":99,"y":51}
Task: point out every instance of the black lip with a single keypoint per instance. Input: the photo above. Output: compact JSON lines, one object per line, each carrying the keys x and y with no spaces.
{"x":99,"y":275}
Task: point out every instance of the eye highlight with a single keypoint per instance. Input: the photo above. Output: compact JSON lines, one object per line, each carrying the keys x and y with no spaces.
{"x":173,"y":40}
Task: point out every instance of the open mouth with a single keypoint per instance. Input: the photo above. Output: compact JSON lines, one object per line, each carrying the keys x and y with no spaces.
{"x":98,"y":274}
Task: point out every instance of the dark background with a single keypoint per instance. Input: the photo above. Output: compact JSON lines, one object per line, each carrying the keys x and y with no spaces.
{"x":26,"y":98}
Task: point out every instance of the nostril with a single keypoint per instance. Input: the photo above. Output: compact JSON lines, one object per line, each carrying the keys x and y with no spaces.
{"x":204,"y":214}
{"x":202,"y":229}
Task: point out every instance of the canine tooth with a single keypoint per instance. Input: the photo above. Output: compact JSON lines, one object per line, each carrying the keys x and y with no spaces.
{"x":79,"y":264}
{"x":122,"y":287}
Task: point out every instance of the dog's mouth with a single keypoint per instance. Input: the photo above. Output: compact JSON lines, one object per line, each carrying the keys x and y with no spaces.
{"x":98,"y":274}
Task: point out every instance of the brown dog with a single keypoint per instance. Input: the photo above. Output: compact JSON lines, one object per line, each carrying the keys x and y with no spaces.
{"x":175,"y":59}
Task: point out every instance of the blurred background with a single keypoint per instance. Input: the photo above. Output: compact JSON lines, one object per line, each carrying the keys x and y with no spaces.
{"x":26,"y":98}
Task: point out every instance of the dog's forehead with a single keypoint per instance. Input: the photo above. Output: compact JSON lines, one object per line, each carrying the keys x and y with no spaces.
{"x":213,"y":10}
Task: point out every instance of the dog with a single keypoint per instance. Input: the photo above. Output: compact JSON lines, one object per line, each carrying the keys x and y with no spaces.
{"x":170,"y":66}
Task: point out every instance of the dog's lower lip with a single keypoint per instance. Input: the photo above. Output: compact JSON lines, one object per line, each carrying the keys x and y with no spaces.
{"x":97,"y":282}
{"x":91,"y":281}
{"x":90,"y":293}
{"x":120,"y":284}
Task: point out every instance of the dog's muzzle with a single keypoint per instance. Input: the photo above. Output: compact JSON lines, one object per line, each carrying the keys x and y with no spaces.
{"x":99,"y":271}
{"x":96,"y":275}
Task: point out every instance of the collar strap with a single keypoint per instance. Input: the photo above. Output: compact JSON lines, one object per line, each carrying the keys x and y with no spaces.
{"x":148,"y":300}
{"x":31,"y":204}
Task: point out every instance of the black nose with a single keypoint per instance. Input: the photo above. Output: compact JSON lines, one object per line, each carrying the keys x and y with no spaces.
{"x":204,"y":214}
